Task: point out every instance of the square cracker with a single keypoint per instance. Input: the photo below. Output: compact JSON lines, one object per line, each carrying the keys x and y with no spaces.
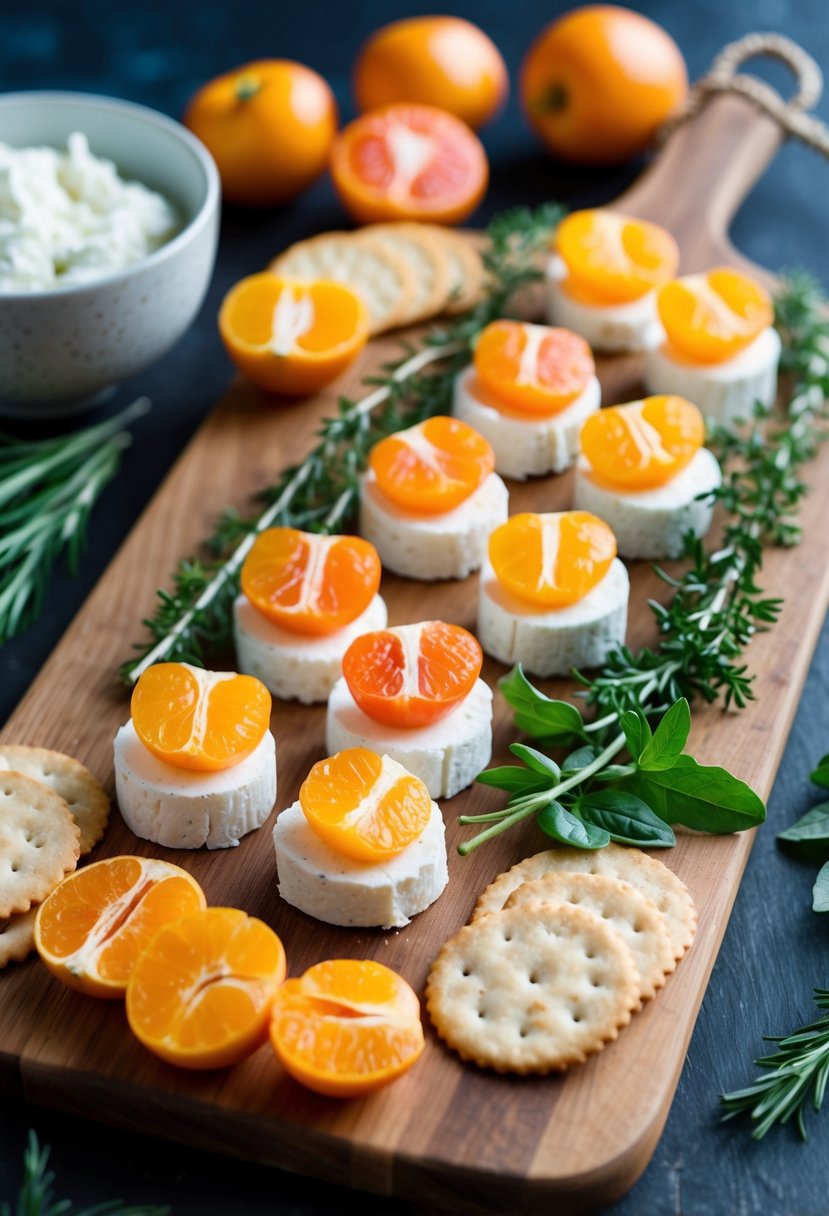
{"x":85,"y":796}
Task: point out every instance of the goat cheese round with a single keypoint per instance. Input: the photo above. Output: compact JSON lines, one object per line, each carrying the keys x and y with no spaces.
{"x":633,"y":326}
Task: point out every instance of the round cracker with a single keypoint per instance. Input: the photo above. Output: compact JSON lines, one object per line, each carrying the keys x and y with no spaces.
{"x":429,"y":259}
{"x":467,"y":271}
{"x":39,"y":842}
{"x":83,"y":793}
{"x":532,"y":989}
{"x":635,"y":918}
{"x":17,"y":937}
{"x":649,"y":875}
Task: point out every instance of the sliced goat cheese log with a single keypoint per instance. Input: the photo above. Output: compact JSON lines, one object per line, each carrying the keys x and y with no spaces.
{"x":524,"y":446}
{"x":724,"y":392}
{"x":448,"y":545}
{"x":295,"y":666}
{"x":552,"y":641}
{"x":446,"y":755}
{"x":184,"y":809}
{"x":652,"y":523}
{"x":335,"y":889}
{"x":632,"y":326}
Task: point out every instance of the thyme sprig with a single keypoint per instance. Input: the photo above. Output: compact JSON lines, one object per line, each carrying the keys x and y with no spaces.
{"x":193,"y":621}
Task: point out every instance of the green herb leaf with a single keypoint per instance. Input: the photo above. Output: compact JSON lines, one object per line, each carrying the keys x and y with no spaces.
{"x":809,"y":836}
{"x":615,"y":772}
{"x":536,"y":760}
{"x":513,"y":778}
{"x":559,"y":823}
{"x":637,"y":732}
{"x":668,"y":740}
{"x":579,"y":759}
{"x":820,"y":776}
{"x":820,"y":891}
{"x":703,"y":797}
{"x":625,"y":818}
{"x":538,"y":715}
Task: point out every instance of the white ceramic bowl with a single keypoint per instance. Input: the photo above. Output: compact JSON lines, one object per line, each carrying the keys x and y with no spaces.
{"x":63,"y":350}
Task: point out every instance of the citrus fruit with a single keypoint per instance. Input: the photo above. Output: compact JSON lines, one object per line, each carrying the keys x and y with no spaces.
{"x":433,"y":467}
{"x":643,"y":444}
{"x":409,"y":162}
{"x":536,"y":369}
{"x":611,"y":258}
{"x":364,"y":806}
{"x":308,"y":583}
{"x":200,"y":993}
{"x":712,"y":317}
{"x":202,"y":720}
{"x":291,"y":336}
{"x":598,"y":82}
{"x":94,"y":925}
{"x":346,"y":1027}
{"x":552,"y":560}
{"x":412,"y":675}
{"x":439,"y":61}
{"x":268,"y":125}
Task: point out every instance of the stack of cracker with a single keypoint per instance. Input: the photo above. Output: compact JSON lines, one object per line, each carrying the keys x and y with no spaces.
{"x":53,"y":811}
{"x":560,"y":952}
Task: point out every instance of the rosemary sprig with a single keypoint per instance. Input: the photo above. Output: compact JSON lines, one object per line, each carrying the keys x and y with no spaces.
{"x":321,"y":494}
{"x":47,"y":490}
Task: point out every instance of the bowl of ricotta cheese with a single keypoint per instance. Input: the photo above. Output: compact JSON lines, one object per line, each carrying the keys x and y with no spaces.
{"x":109,"y":219}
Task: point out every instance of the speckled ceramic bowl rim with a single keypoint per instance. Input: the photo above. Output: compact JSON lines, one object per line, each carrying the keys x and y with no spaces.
{"x":153,"y":118}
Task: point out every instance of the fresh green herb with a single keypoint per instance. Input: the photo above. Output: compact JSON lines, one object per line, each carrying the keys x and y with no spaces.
{"x":820,"y":775}
{"x":808,"y":838}
{"x":47,"y":489}
{"x":799,"y":1070}
{"x":321,"y":494}
{"x":36,"y":1196}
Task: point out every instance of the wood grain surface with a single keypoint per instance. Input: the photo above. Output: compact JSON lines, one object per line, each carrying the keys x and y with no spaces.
{"x":445,"y":1134}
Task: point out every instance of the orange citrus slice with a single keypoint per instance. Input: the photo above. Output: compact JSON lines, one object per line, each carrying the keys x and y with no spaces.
{"x":712,"y":317}
{"x":406,"y":161}
{"x":552,"y":560}
{"x":642,"y":444}
{"x":412,"y":675}
{"x":200,"y":994}
{"x":202,"y":720}
{"x":291,"y":336}
{"x":433,"y":467}
{"x":346,"y":1027}
{"x":533,"y":368}
{"x":310,"y":584}
{"x":366,"y":807}
{"x":94,"y":925}
{"x":613,"y":259}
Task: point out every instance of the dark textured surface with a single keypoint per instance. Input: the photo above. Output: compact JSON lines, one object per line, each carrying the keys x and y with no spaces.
{"x":775,"y":948}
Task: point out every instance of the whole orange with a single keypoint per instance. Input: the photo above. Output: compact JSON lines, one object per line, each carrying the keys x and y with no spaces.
{"x":269,"y":126}
{"x":598,"y":82}
{"x":439,"y":61}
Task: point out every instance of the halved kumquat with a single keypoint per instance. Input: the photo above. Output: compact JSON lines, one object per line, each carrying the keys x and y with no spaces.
{"x":412,"y":675}
{"x":366,"y":807}
{"x":200,"y":994}
{"x":552,"y":560}
{"x":612,"y":258}
{"x":92,"y":928}
{"x":433,"y":467}
{"x":292,"y":336}
{"x":536,"y":369}
{"x":643,"y":444}
{"x":196,"y":719}
{"x":346,"y":1027}
{"x":712,"y":317}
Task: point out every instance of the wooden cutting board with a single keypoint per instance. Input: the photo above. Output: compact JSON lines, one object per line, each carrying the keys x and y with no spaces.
{"x":446,"y":1133}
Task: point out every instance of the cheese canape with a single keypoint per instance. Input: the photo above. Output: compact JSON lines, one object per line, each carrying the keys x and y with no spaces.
{"x":528,"y":391}
{"x":304,"y":599}
{"x":643,"y":469}
{"x":553,"y":596}
{"x":430,"y":498}
{"x":413,"y":692}
{"x":363,"y":845}
{"x":196,"y":763}
{"x":603,"y":275}
{"x":721,"y":349}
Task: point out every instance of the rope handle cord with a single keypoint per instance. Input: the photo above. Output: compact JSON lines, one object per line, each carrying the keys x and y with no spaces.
{"x":724,"y":77}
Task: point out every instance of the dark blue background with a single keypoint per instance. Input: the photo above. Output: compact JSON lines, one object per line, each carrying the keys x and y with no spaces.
{"x":775,"y":948}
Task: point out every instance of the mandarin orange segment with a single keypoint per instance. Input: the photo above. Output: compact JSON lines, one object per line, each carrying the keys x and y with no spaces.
{"x":643,"y":444}
{"x":412,"y":675}
{"x":364,"y":806}
{"x":712,"y":317}
{"x":433,"y":467}
{"x":292,"y":336}
{"x":537,"y":369}
{"x":200,"y":720}
{"x":92,"y":928}
{"x":613,"y":259}
{"x":200,"y":994}
{"x":310,"y":584}
{"x":552,"y":560}
{"x":346,"y":1027}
